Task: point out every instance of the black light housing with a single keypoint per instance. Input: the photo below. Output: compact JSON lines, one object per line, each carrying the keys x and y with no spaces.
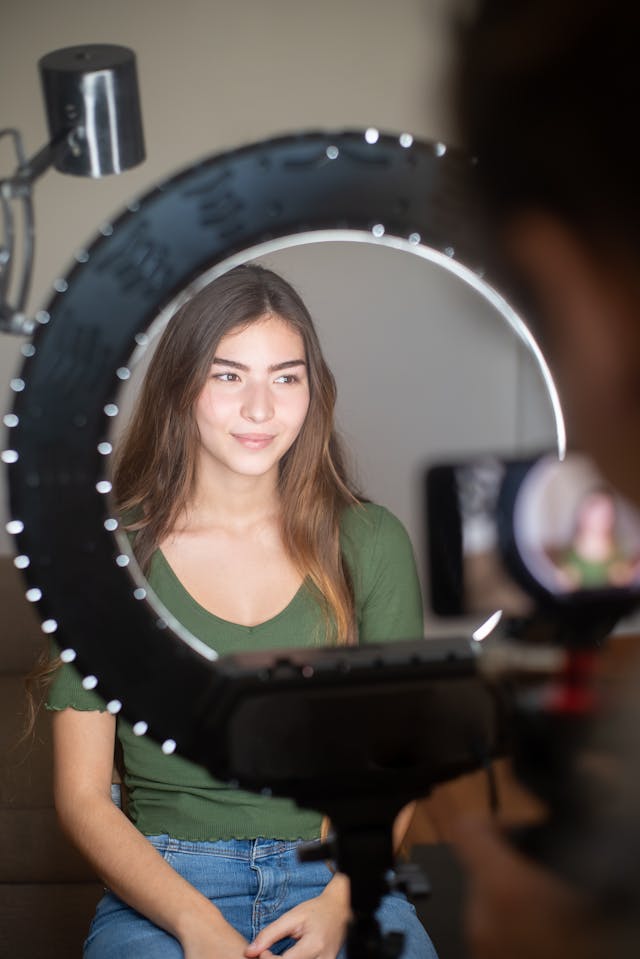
{"x":92,"y":100}
{"x":385,"y":189}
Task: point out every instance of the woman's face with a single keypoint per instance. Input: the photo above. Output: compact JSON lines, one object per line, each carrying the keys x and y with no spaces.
{"x":597,"y":514}
{"x":255,"y":400}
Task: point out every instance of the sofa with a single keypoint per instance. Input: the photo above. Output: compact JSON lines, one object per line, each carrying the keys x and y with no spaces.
{"x":47,"y":891}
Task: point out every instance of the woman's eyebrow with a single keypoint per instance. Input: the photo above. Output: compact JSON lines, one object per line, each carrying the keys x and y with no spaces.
{"x":286,"y":365}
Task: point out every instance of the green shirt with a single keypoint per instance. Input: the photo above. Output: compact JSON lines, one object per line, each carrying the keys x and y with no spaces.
{"x":169,"y":794}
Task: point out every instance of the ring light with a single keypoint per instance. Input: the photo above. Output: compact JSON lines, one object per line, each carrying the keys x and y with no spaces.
{"x":223,"y":210}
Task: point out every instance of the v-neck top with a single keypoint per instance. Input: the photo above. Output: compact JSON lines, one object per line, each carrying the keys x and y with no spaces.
{"x":197,"y":618}
{"x":170,"y":794}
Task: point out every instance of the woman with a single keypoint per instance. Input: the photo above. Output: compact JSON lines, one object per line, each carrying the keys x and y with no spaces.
{"x":594,"y":558}
{"x":242,"y":517}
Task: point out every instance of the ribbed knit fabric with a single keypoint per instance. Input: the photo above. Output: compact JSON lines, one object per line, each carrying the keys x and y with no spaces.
{"x":169,"y":794}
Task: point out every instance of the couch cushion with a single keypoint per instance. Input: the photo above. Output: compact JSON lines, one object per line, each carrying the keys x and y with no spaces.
{"x":35,"y":850}
{"x":26,"y":765}
{"x":21,"y":638}
{"x":46,"y":921}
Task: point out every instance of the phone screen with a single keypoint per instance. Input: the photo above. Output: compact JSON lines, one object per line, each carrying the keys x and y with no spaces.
{"x":517,"y":534}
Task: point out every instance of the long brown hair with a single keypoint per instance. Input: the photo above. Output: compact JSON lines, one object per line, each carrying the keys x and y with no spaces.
{"x":155,"y":467}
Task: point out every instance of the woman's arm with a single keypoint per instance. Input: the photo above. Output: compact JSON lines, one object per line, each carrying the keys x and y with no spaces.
{"x":83,"y":743}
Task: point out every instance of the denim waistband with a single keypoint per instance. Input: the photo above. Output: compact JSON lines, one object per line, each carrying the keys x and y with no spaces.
{"x":245,"y":849}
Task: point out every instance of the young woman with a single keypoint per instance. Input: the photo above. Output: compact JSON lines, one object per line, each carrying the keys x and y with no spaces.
{"x":240,"y":513}
{"x":594,"y":557}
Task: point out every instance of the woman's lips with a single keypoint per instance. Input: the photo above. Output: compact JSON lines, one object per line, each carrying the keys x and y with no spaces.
{"x":254,"y":441}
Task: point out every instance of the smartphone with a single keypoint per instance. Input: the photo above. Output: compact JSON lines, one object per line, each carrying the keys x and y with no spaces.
{"x":521,"y":535}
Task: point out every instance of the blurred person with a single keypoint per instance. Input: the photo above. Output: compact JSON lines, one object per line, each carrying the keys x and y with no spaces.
{"x":547,"y":97}
{"x":594,"y":557}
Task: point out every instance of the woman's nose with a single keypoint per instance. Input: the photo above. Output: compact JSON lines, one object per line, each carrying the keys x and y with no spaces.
{"x":257,"y":404}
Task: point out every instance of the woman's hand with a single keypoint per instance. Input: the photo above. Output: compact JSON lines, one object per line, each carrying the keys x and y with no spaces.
{"x":319,"y":925}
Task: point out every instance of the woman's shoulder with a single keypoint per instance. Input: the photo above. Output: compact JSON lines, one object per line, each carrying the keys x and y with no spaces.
{"x":370,"y":527}
{"x":379,"y":555}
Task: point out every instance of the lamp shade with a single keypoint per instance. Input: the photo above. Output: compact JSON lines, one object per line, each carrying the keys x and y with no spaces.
{"x":91,"y":93}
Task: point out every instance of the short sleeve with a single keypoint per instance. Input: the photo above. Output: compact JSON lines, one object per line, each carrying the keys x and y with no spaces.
{"x":66,"y":689}
{"x":380,"y":557}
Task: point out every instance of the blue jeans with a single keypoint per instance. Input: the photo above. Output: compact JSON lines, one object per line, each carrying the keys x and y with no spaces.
{"x":252,"y":882}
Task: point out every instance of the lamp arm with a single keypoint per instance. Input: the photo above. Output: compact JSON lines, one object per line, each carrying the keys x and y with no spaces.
{"x":18,"y":188}
{"x":30,"y":170}
{"x":6,"y":249}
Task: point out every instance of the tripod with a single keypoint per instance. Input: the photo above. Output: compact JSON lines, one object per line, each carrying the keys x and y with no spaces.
{"x":362,"y":848}
{"x":357,"y":733}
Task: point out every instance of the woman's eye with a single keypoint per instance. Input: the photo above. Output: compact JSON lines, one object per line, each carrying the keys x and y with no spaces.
{"x":287,"y":378}
{"x":226,"y":377}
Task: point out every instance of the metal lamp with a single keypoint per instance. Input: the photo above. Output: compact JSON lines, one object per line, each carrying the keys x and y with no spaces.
{"x":95,"y":127}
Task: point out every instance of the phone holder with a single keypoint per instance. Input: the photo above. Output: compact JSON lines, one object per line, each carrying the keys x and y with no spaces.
{"x":357,"y":732}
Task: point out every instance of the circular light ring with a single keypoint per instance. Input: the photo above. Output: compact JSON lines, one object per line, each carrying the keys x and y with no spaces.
{"x":68,"y":385}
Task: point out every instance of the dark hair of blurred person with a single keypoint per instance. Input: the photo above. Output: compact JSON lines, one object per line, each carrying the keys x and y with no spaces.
{"x":547,"y":95}
{"x":547,"y":98}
